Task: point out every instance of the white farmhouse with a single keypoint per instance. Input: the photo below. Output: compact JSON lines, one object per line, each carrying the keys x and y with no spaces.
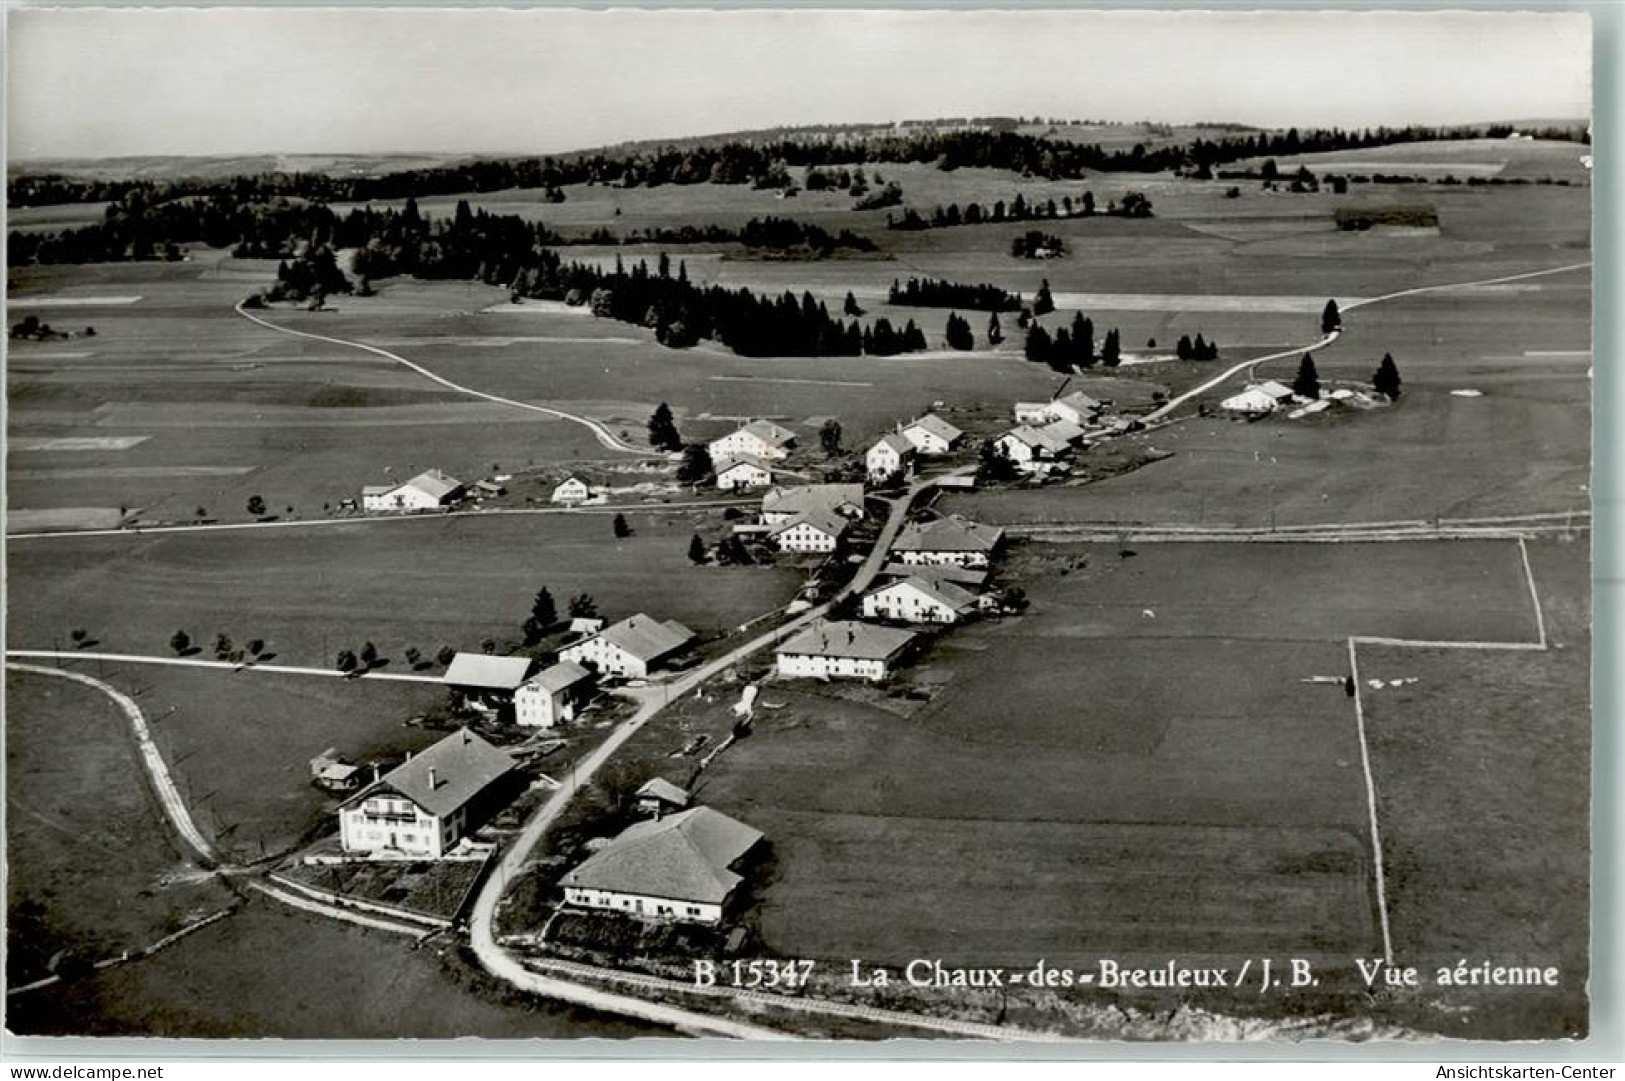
{"x":629,"y":648}
{"x":1030,"y":448}
{"x":680,"y":868}
{"x":552,"y":696}
{"x":758,"y":439}
{"x":919,"y":600}
{"x":423,"y":808}
{"x":1076,"y":407}
{"x":891,"y":455}
{"x":1064,"y":430}
{"x":780,"y":505}
{"x":813,"y":531}
{"x":843,"y":650}
{"x":743,"y":472}
{"x":571,"y":490}
{"x":948,"y":540}
{"x":932,"y":435}
{"x":426,"y":491}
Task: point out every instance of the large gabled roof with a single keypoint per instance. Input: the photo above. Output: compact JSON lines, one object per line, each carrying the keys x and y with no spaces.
{"x":820,"y":518}
{"x":848,"y":638}
{"x":774,"y":435}
{"x":434,"y":484}
{"x":461,"y":766}
{"x":949,"y":535}
{"x":943,"y":592}
{"x":723,"y":465}
{"x":896,"y":441}
{"x":804,"y":497}
{"x":1082,"y":402}
{"x":1037,"y":438}
{"x":938,"y":427}
{"x":687,"y":856}
{"x":486,"y":671}
{"x":647,"y":638}
{"x":560,"y":676}
{"x":937,"y":572}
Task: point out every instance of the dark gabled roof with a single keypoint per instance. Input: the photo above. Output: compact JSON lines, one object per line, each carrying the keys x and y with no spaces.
{"x":559,"y":676}
{"x":687,"y":856}
{"x":646,"y":638}
{"x":661,"y":789}
{"x":938,"y":427}
{"x":949,"y":535}
{"x":858,"y":641}
{"x":463,"y":764}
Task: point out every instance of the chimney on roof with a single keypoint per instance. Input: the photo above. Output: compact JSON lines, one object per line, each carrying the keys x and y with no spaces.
{"x":434,"y":782}
{"x":375,"y":774}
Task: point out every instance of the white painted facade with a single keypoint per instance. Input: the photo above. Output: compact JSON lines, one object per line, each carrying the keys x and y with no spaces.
{"x":941,"y":558}
{"x":809,"y":666}
{"x":642,"y":905}
{"x":805,"y":537}
{"x":745,"y":442}
{"x":404,"y":497}
{"x":607,"y":657}
{"x":884,"y":460}
{"x":391,"y":822}
{"x":535,"y":706}
{"x":573,"y":490}
{"x":907,"y":602}
{"x":743,"y":475}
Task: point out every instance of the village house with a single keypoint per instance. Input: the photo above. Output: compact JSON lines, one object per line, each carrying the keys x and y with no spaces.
{"x":571,"y":490}
{"x":1259,"y":398}
{"x":552,"y":696}
{"x":659,"y":796}
{"x":948,"y":540}
{"x":424,"y":807}
{"x":932,"y":435}
{"x":780,"y":505}
{"x":843,"y":650}
{"x":891,"y":455}
{"x":1031,"y":449}
{"x":426,"y":491}
{"x":919,"y":599}
{"x":758,"y":439}
{"x":742,"y":472}
{"x":684,"y":867}
{"x":1076,"y":407}
{"x":972,"y":578}
{"x":811,"y":531}
{"x":631,"y":648}
{"x":1064,"y":430}
{"x":484,"y":682}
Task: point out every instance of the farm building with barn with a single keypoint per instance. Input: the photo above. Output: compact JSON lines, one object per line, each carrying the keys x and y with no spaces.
{"x":682,"y":868}
{"x":424,"y":807}
{"x":630,"y":649}
{"x":428,"y":490}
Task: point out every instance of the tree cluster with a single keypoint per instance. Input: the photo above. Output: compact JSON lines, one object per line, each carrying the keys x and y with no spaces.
{"x":1070,"y":347}
{"x":935,"y":293}
{"x":959,"y":334}
{"x":1018,"y":209}
{"x":1036,"y":245}
{"x":1200,"y":349}
{"x":784,"y":234}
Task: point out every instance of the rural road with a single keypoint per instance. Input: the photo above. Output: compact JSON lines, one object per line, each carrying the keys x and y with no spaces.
{"x":307,"y":523}
{"x":1250,"y":366}
{"x":482,"y":918}
{"x":598,"y":429}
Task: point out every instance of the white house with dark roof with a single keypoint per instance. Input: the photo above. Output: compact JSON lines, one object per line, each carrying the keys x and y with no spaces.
{"x":684,"y":867}
{"x":972,"y":578}
{"x":572,"y":490}
{"x":484,"y":681}
{"x":891,"y":454}
{"x":424,"y":807}
{"x":812,"y":531}
{"x":948,"y":540}
{"x":630,"y":648}
{"x":919,"y":599}
{"x":426,"y":491}
{"x":746,"y":471}
{"x":931,"y":434}
{"x":1076,"y":407}
{"x":843,"y":650}
{"x":781,"y":504}
{"x":758,"y":439}
{"x":1030,"y":447}
{"x":552,"y":696}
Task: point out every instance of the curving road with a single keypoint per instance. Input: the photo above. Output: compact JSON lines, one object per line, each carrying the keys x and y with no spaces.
{"x":598,"y":429}
{"x":482,"y":918}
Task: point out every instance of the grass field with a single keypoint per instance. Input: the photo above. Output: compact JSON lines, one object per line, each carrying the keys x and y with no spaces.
{"x":1085,"y":781}
{"x":1480,"y":771}
{"x":271,"y":972}
{"x":92,"y":870}
{"x":309,"y":593}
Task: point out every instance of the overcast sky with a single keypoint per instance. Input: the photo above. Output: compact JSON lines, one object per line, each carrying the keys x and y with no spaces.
{"x":103,"y":83}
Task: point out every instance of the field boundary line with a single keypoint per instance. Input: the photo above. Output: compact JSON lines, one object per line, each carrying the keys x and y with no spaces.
{"x":365,"y":519}
{"x":1357,"y":640}
{"x":169,"y":797}
{"x":187,"y":662}
{"x":1351,"y":305}
{"x":599,"y":430}
{"x":333,"y":912}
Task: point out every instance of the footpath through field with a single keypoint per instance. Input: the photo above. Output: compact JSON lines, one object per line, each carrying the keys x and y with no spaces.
{"x":194,"y":662}
{"x":598,"y":429}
